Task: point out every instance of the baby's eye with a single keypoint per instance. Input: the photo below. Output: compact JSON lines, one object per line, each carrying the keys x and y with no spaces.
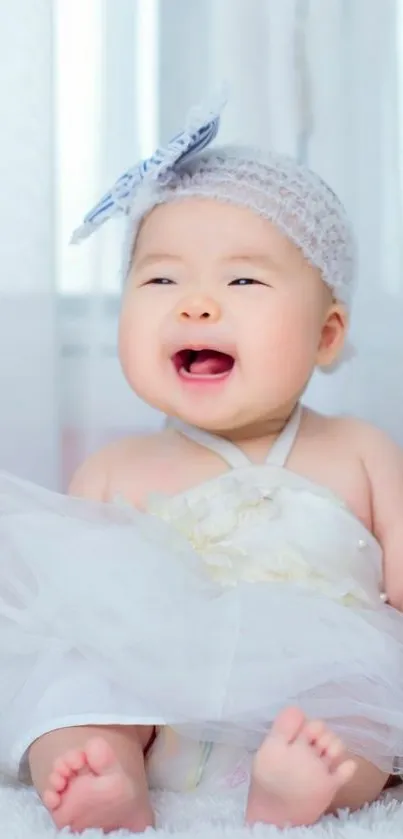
{"x":160,"y":281}
{"x":246,"y":281}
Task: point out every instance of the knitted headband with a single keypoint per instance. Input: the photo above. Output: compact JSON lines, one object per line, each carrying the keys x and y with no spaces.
{"x":272,"y":185}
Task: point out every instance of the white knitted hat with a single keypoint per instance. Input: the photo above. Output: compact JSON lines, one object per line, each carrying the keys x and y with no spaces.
{"x":274,"y":186}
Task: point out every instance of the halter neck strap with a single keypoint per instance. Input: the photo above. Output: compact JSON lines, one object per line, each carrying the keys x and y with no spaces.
{"x":233,"y":456}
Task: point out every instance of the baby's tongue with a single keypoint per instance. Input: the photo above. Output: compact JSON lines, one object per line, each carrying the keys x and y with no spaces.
{"x":209,"y":363}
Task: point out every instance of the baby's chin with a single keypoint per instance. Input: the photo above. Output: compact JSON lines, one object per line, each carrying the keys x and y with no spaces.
{"x":228,"y":414}
{"x":208,"y":417}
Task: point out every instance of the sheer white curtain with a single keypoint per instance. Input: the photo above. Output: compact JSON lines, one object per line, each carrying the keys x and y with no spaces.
{"x":29,"y":377}
{"x":87,"y":87}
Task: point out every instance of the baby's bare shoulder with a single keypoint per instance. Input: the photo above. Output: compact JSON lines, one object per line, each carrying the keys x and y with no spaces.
{"x":367,"y":439}
{"x":355,"y":440}
{"x":380,"y":454}
{"x":333,"y":452}
{"x":355,"y":434}
{"x":139,"y":447}
{"x":131,"y":467}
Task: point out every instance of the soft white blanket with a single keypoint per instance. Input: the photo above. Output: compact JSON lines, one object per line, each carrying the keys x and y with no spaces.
{"x":22,"y":817}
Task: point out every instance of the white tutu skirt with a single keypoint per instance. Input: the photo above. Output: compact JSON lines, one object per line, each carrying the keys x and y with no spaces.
{"x":108,"y":617}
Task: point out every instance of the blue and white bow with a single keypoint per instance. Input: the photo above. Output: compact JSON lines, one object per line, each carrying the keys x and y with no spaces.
{"x":201,"y":129}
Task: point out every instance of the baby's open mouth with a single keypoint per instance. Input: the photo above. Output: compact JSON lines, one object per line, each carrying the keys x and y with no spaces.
{"x":203,"y":363}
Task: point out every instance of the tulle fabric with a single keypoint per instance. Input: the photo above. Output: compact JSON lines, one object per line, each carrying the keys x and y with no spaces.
{"x":108,"y":616}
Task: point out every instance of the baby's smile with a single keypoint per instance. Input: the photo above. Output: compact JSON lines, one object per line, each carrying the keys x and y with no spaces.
{"x":203,"y":366}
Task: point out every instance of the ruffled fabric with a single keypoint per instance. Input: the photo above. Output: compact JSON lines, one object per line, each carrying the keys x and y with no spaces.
{"x":238,"y":527}
{"x":110,"y":616}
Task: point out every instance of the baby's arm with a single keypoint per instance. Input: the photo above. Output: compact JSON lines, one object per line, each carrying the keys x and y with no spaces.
{"x":92,"y":478}
{"x":131,"y":468}
{"x":383,"y":461}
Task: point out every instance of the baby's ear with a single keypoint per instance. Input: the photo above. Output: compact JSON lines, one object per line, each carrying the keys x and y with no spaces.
{"x":333,"y":335}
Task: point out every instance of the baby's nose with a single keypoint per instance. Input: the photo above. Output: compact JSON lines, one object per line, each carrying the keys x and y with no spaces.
{"x":199,"y":308}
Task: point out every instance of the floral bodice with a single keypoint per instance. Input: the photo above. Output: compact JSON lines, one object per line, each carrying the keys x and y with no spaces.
{"x":266,"y":523}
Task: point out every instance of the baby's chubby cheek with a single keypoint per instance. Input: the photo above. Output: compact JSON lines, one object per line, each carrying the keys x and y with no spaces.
{"x":134,"y":344}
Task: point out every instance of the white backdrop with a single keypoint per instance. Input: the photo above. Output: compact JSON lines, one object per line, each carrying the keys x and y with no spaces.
{"x":317,"y":78}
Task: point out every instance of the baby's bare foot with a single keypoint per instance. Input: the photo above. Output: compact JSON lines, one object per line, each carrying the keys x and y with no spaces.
{"x":89,"y":788}
{"x":296,"y":772}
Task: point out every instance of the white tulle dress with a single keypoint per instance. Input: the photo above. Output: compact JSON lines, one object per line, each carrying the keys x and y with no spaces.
{"x":207,"y":614}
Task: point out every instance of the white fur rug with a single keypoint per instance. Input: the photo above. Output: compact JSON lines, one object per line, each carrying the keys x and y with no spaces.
{"x":23,"y":817}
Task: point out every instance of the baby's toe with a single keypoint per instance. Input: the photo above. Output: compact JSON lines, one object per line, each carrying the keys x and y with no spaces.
{"x":314,"y":731}
{"x":57,"y":782}
{"x":345,"y":771}
{"x":74,"y":760}
{"x":61,"y":767}
{"x":51,"y":799}
{"x":324,"y":742}
{"x":332,"y":750}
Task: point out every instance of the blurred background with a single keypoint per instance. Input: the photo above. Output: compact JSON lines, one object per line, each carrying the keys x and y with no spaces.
{"x":87,"y":87}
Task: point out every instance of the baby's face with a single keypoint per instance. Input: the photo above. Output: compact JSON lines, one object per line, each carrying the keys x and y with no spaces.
{"x":223,"y":319}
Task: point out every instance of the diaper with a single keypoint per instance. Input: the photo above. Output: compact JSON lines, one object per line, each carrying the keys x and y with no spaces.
{"x":179,"y":764}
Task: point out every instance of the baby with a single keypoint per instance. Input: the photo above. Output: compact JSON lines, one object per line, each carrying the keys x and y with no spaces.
{"x":235,"y":632}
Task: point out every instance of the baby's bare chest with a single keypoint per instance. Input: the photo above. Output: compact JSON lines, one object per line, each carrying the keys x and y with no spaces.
{"x":172,"y":472}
